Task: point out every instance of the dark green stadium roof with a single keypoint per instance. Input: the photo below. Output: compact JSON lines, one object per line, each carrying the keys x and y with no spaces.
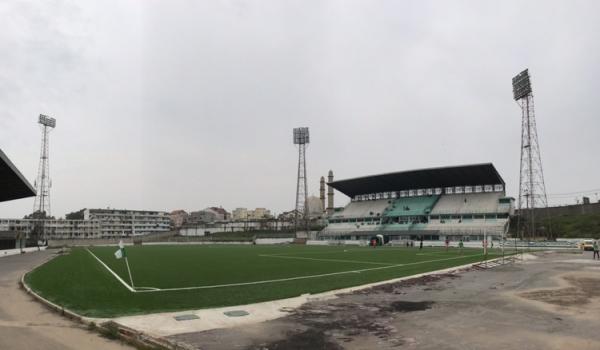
{"x":13,"y":185}
{"x":463,"y":175}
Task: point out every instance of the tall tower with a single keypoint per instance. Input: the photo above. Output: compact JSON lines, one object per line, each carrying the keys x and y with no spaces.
{"x":301,"y":138}
{"x":322,"y":192}
{"x":41,"y":205}
{"x":532,"y":189}
{"x":329,"y":193}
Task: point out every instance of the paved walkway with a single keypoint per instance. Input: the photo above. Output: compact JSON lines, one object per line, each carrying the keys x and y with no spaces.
{"x":26,"y":324}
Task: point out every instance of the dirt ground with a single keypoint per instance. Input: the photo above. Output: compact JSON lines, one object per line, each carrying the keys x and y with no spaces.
{"x":551,"y":302}
{"x":26,"y":324}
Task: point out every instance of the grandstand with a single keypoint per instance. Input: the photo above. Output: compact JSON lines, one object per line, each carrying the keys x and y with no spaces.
{"x":463,"y":202}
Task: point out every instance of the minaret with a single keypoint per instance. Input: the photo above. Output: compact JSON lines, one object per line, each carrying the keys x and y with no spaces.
{"x":330,"y":193}
{"x":322,"y":193}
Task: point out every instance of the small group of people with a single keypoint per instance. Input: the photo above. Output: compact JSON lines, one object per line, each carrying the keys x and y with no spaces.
{"x":411,"y":243}
{"x":461,"y":245}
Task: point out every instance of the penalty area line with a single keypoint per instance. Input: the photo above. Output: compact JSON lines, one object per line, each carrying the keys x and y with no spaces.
{"x":299,"y":277}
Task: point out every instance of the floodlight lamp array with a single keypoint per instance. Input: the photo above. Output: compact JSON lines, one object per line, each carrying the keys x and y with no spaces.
{"x":301,"y":136}
{"x":521,"y":85}
{"x":47,"y":121}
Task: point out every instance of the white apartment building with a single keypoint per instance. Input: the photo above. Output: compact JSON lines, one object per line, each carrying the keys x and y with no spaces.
{"x":53,"y":229}
{"x":122,"y":222}
{"x":239,"y":214}
{"x":243,"y":214}
{"x":67,"y":229}
{"x":97,"y":223}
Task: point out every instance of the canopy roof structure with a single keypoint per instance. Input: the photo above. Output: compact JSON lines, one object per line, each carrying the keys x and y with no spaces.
{"x":463,"y":175}
{"x":13,"y":185}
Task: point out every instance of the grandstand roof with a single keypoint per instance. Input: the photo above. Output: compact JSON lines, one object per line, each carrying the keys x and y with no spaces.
{"x":13,"y":184}
{"x":463,"y":175}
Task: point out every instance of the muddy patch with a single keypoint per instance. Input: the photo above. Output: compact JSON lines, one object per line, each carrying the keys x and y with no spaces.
{"x":409,"y":306}
{"x":396,"y":288}
{"x":367,"y":314}
{"x":578,"y":293}
{"x":310,"y":339}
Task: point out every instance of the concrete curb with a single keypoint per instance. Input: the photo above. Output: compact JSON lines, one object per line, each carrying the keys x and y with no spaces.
{"x":47,"y":303}
{"x":12,"y":252}
{"x":126,"y":334}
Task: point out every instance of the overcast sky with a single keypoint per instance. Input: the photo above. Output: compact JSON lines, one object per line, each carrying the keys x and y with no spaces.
{"x":186,"y":104}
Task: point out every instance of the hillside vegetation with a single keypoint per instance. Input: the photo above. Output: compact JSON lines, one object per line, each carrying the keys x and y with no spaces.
{"x":565,"y":226}
{"x":575,"y":226}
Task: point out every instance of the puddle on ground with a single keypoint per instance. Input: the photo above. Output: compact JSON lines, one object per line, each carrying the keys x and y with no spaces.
{"x":409,"y":306}
{"x":310,"y":339}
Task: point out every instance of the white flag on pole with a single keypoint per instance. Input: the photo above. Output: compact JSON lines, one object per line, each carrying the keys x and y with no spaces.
{"x":120,"y":253}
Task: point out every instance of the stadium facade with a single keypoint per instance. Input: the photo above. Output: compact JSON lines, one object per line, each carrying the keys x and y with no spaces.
{"x":466,"y":202}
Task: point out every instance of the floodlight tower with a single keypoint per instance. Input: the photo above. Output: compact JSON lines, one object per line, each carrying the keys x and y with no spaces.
{"x":532,"y":189}
{"x":43,"y":183}
{"x":301,"y":138}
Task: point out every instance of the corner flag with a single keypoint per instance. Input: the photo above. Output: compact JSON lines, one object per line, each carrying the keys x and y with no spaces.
{"x":121,"y":252}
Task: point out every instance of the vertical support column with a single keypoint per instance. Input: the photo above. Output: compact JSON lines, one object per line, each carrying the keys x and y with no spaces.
{"x":330,"y":204}
{"x":301,"y":215}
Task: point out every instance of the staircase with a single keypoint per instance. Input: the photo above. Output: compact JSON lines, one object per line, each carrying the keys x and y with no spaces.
{"x":485,"y":265}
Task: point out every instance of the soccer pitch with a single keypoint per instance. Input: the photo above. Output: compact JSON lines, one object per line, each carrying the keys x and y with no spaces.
{"x":92,"y":282}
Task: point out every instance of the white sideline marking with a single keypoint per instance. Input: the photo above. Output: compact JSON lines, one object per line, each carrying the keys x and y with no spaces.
{"x":340,"y":251}
{"x":111,"y":271}
{"x":299,"y":277}
{"x":317,"y":252}
{"x":317,"y":259}
{"x":145,"y":288}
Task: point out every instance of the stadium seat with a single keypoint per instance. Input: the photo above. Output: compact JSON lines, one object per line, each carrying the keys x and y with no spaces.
{"x":411,"y":206}
{"x":468,"y":203}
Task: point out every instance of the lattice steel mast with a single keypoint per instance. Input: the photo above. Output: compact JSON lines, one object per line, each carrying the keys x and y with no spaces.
{"x":43,"y":183}
{"x":301,"y":221}
{"x":532,"y":189}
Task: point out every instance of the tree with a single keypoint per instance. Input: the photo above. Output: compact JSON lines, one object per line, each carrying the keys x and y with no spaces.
{"x":76,"y":215}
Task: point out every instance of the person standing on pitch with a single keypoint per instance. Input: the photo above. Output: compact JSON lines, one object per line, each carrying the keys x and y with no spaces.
{"x":461,"y":245}
{"x":447,"y":243}
{"x":596,"y":252}
{"x":421,"y":243}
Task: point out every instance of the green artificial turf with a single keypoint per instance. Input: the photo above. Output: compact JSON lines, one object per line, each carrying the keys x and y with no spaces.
{"x":78,"y":282}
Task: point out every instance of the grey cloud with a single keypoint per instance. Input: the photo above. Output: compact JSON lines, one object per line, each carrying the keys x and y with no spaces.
{"x":166,"y":105}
